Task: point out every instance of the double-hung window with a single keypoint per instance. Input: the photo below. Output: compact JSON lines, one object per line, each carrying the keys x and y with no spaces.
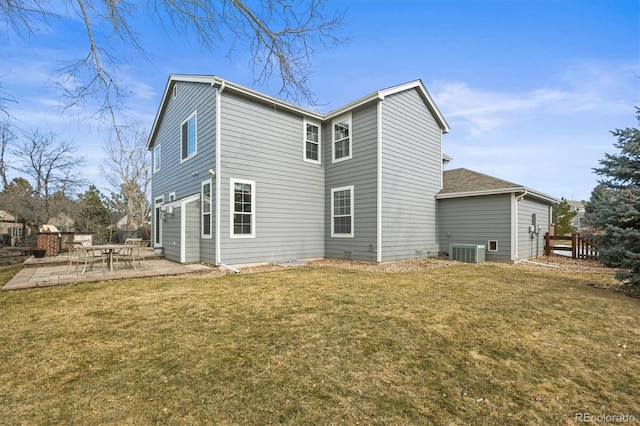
{"x":311,"y":142}
{"x":342,"y":212}
{"x":189,"y":137}
{"x":206,"y":209}
{"x":243,"y":209}
{"x":341,"y":138}
{"x":157,"y":158}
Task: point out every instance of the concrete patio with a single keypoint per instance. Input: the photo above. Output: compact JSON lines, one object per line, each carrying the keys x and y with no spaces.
{"x":52,"y":271}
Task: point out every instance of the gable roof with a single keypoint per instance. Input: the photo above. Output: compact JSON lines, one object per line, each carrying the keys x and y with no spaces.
{"x":228,"y":85}
{"x":459,"y":183}
{"x":381,"y":94}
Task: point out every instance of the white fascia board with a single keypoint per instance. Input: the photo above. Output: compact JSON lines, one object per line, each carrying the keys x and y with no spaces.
{"x":478,"y":193}
{"x":219,"y":82}
{"x":267,"y":99}
{"x":519,"y":190}
{"x":173,"y":78}
{"x":417,"y":84}
{"x":381,"y":94}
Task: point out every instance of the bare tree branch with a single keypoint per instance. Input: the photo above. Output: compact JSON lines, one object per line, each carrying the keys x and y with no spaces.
{"x":127,"y":172}
{"x":52,"y":168}
{"x":282,"y":36}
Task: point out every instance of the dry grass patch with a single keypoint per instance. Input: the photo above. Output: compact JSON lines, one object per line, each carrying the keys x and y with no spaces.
{"x":461,"y":344}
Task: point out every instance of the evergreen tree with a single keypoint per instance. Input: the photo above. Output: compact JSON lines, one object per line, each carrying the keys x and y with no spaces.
{"x":563,"y":217}
{"x":93,"y":215}
{"x":614,"y":208}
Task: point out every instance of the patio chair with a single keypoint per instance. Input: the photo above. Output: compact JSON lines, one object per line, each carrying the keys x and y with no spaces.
{"x":132,"y":252}
{"x":79,"y":254}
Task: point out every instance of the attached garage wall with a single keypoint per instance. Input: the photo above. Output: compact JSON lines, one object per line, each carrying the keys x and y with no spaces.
{"x":476,"y":220}
{"x":532,"y":245}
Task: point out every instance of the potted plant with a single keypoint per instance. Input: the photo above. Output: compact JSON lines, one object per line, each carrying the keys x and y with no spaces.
{"x":39,"y":253}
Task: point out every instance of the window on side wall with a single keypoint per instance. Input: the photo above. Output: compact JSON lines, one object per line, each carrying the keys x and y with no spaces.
{"x":341,"y":135}
{"x":189,"y":137}
{"x":342,"y":212}
{"x":243,"y":212}
{"x":311,"y":142}
{"x":206,"y":209}
{"x":157,"y":158}
{"x":157,"y":237}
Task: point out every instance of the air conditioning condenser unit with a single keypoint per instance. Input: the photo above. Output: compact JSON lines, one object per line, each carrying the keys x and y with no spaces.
{"x":471,"y":253}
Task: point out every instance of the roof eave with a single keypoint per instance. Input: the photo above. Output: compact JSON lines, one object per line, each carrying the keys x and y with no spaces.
{"x":522,"y":190}
{"x":381,"y":94}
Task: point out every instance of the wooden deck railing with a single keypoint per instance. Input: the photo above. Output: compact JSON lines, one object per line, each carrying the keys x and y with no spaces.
{"x":581,"y":247}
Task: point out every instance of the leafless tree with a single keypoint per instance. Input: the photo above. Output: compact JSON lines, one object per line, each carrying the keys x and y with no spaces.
{"x":127,"y":172}
{"x":7,"y":136}
{"x":282,"y":37}
{"x":51,"y":170}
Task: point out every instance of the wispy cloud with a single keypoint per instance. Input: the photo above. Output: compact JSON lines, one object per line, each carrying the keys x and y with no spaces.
{"x":580,"y":88}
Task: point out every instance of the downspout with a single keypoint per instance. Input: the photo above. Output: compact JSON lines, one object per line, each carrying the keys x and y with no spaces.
{"x":218,"y":174}
{"x":379,"y":189}
{"x":218,"y":256}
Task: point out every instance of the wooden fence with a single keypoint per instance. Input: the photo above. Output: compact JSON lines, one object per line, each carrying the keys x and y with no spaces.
{"x":580,"y":248}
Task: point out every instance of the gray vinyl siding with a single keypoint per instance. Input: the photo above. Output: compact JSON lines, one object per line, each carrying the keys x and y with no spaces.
{"x":411,"y":176}
{"x":185,"y":177}
{"x":361,"y":172}
{"x":264,"y":145}
{"x":476,"y":220}
{"x":531,"y":247}
{"x":192,"y":232}
{"x":171,"y":235}
{"x":176,"y":175}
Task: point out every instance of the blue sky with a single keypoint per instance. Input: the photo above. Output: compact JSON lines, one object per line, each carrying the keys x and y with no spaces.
{"x":530,"y":88}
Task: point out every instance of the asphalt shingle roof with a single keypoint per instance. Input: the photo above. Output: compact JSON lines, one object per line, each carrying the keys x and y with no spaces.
{"x":465,"y":180}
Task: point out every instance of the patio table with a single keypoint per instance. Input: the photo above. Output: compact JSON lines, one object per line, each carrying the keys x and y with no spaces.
{"x":110,"y":249}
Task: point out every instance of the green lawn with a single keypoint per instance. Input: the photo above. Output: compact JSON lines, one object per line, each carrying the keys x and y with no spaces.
{"x":460,"y":344}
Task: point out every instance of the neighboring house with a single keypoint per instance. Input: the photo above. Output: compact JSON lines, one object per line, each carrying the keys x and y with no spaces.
{"x":578,"y":207}
{"x":11,"y":225}
{"x":510,"y":220}
{"x":240,"y":177}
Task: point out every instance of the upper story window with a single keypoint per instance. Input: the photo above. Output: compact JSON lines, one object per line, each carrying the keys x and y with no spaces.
{"x":189,"y":137}
{"x":341,"y":138}
{"x":157,"y":158}
{"x":311,"y":142}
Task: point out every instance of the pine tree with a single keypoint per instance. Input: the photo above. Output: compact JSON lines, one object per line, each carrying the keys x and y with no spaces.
{"x":614,"y":208}
{"x":563,"y":217}
{"x":93,"y":215}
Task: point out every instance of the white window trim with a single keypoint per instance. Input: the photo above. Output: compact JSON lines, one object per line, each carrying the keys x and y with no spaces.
{"x":157,"y":161}
{"x":175,"y":91}
{"x":195,"y":129}
{"x":157,"y":239}
{"x":333,"y":138}
{"x":172,"y":196}
{"x":304,"y":141}
{"x":202,"y":213}
{"x":333,"y":191}
{"x":489,"y":245}
{"x":232,"y":183}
